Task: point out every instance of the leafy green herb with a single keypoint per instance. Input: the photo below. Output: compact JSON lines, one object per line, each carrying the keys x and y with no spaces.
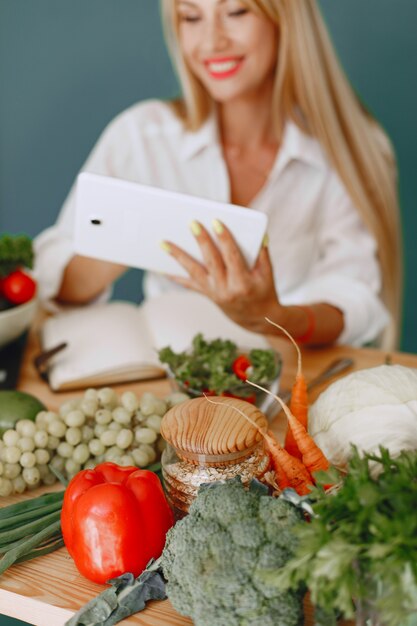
{"x":359,"y":553}
{"x":208,"y":366}
{"x":15,"y":251}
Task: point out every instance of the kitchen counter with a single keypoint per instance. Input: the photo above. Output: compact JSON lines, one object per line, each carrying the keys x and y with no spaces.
{"x":49,"y":590}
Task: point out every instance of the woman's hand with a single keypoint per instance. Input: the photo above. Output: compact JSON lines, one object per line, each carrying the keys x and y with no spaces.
{"x":245,"y":295}
{"x":248,"y":296}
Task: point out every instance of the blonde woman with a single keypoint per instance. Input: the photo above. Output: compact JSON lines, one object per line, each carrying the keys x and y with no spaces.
{"x":267,"y":120}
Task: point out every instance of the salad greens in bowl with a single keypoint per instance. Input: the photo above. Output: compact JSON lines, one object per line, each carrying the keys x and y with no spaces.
{"x":18,"y":303}
{"x":220,"y":368}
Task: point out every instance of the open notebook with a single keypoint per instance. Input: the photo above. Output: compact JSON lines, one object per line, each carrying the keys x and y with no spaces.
{"x":118,"y":341}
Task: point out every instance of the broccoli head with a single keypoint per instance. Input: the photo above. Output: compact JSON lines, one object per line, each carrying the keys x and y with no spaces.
{"x":220,"y":560}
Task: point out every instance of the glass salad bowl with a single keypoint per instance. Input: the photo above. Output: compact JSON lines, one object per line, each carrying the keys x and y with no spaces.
{"x":220,"y":368}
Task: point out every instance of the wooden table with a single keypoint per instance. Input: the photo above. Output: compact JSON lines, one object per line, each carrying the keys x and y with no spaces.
{"x":49,"y":590}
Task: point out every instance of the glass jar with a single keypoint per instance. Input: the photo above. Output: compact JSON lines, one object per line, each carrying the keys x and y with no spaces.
{"x":207,"y":441}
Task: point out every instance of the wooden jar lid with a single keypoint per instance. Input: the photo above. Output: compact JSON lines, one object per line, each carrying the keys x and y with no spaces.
{"x":198,"y":428}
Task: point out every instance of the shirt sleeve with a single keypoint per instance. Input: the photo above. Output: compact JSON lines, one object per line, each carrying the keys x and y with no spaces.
{"x":54,"y":247}
{"x":347,"y":274}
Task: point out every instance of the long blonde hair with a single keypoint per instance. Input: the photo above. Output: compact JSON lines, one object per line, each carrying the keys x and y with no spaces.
{"x":311,"y":88}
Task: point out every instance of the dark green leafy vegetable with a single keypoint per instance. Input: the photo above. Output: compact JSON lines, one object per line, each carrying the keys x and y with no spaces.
{"x":15,"y":251}
{"x":359,"y":553}
{"x":208,"y":366}
{"x":125,"y":597}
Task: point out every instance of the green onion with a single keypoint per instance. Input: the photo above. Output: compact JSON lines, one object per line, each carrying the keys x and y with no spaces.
{"x":58,"y":475}
{"x":28,"y":529}
{"x":27,"y":546}
{"x":30,"y":505}
{"x":15,"y":544}
{"x":50,"y":547}
{"x":11,"y":522}
{"x":5,"y":547}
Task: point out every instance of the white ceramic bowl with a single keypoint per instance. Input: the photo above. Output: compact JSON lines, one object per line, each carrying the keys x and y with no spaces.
{"x":14,"y":321}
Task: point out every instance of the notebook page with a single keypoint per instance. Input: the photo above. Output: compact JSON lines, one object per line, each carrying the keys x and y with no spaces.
{"x":102,"y":338}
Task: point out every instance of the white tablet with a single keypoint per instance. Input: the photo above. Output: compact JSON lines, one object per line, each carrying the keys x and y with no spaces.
{"x":126,"y":222}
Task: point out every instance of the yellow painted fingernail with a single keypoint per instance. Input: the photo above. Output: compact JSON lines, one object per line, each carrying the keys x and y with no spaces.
{"x":218,"y":227}
{"x":265,"y":241}
{"x":195,"y":228}
{"x":165,"y":246}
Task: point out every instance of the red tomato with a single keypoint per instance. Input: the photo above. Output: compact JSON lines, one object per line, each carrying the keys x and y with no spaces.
{"x":240,"y":365}
{"x":18,"y":287}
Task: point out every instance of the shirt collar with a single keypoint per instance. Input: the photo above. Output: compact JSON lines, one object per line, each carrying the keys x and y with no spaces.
{"x":196,"y":141}
{"x":296,"y":145}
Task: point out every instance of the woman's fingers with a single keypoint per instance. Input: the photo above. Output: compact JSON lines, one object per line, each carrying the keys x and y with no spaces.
{"x":213,"y":259}
{"x":234,"y":261}
{"x":188,"y":283}
{"x":223,"y":274}
{"x":263,"y":264}
{"x":197,"y":272}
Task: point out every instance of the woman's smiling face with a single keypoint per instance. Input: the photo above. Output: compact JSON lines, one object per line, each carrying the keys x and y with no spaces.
{"x":229,"y":48}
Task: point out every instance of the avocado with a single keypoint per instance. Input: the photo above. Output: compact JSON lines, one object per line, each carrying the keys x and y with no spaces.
{"x":15,"y":406}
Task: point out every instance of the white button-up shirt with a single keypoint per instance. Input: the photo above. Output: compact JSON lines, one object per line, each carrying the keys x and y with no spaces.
{"x":320,"y":249}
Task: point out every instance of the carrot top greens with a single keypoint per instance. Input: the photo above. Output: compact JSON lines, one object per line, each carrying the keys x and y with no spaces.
{"x":359,"y":554}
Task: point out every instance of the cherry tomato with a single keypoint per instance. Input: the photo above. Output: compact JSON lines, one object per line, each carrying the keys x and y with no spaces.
{"x":18,"y":287}
{"x":240,"y":366}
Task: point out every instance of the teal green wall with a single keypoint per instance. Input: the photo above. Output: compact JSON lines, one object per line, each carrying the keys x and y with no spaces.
{"x":8,"y":621}
{"x":376,"y":41}
{"x":68,"y":66}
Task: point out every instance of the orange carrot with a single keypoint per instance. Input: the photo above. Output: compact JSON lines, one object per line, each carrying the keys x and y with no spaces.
{"x":299,"y":399}
{"x":313,"y":458}
{"x":289,"y":471}
{"x":281,"y":477}
{"x":295,"y":471}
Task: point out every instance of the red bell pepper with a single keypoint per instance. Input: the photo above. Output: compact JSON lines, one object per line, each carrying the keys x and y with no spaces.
{"x":114,"y":520}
